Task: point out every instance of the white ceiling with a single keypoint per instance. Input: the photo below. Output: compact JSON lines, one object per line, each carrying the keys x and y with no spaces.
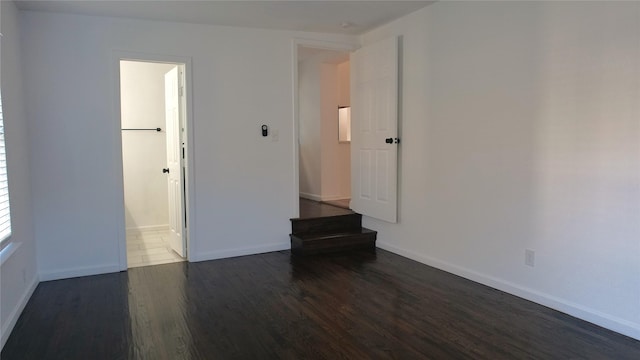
{"x":301,"y":15}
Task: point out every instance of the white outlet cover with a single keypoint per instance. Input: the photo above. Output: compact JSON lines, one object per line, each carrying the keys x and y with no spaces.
{"x":529,"y":257}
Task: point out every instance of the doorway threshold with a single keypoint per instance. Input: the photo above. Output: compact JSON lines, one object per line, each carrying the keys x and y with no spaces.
{"x":316,"y":209}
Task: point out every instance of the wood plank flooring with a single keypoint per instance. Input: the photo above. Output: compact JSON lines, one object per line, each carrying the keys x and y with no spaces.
{"x":275,"y":306}
{"x":314,"y":209}
{"x":342,"y":203}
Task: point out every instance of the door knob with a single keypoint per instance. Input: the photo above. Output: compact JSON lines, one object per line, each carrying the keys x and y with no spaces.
{"x":388,"y":140}
{"x":165,"y":171}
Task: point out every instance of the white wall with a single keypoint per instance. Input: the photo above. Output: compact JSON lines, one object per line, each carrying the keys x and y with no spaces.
{"x":344,"y":86}
{"x":243,"y":183}
{"x":18,"y":272}
{"x":520,"y":131}
{"x":144,"y":153}
{"x":325,"y":172}
{"x":335,"y":156}
{"x":309,"y":129}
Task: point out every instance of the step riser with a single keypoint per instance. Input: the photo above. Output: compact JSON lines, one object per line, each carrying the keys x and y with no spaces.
{"x":334,"y":244}
{"x":327,"y":225}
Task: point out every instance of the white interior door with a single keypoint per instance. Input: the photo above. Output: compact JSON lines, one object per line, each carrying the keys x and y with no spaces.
{"x":173,"y":113}
{"x":374,"y":130}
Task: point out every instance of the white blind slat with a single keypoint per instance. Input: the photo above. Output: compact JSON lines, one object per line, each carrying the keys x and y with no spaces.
{"x":5,"y":216}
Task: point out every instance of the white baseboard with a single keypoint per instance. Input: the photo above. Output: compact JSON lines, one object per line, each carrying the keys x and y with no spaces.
{"x":251,"y":250}
{"x":308,"y":196}
{"x":78,"y":272}
{"x":316,"y":197}
{"x":12,"y":319}
{"x":162,"y":227}
{"x":335,"y":197}
{"x":613,"y":323}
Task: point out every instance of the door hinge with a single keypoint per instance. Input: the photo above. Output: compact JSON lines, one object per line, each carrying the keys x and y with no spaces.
{"x":181,"y":91}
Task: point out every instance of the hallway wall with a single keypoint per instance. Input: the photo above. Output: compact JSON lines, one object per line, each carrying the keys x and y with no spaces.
{"x":336,"y":156}
{"x":325,"y":164}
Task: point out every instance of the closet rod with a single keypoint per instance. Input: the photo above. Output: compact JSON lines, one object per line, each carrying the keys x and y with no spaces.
{"x":156,"y":129}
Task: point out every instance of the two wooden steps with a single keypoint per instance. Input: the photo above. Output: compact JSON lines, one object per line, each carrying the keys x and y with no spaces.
{"x":330,"y":234}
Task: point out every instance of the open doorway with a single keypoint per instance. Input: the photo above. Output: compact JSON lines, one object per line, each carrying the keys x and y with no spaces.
{"x":374,"y":93}
{"x":153,"y":120}
{"x":324,"y":145}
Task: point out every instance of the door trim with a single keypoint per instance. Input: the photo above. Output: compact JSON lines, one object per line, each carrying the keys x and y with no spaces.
{"x":189,"y":183}
{"x":318,"y":44}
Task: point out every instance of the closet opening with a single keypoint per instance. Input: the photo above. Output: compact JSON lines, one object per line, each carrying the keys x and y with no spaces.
{"x":153,"y":122}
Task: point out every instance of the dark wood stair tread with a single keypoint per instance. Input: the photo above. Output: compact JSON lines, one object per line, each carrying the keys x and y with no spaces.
{"x":325,"y":225}
{"x":332,"y":232}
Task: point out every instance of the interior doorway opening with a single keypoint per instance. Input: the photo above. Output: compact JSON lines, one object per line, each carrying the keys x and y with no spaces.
{"x":324,"y":150}
{"x":153,"y":121}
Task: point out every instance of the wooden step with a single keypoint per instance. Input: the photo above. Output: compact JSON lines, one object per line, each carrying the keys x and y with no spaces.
{"x":327,"y":225}
{"x":305,"y":244}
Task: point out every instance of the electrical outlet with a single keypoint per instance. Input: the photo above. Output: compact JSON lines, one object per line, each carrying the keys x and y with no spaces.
{"x":275,"y":135}
{"x":529,"y":257}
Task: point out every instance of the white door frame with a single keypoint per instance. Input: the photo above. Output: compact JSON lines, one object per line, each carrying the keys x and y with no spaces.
{"x":189,"y":195}
{"x":318,"y":44}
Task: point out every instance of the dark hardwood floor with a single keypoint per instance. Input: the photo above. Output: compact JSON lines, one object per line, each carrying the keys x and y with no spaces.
{"x":275,"y":306}
{"x":314,"y":209}
{"x":343,"y":203}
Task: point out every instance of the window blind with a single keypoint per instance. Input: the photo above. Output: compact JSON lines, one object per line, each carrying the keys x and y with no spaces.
{"x":5,"y":216}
